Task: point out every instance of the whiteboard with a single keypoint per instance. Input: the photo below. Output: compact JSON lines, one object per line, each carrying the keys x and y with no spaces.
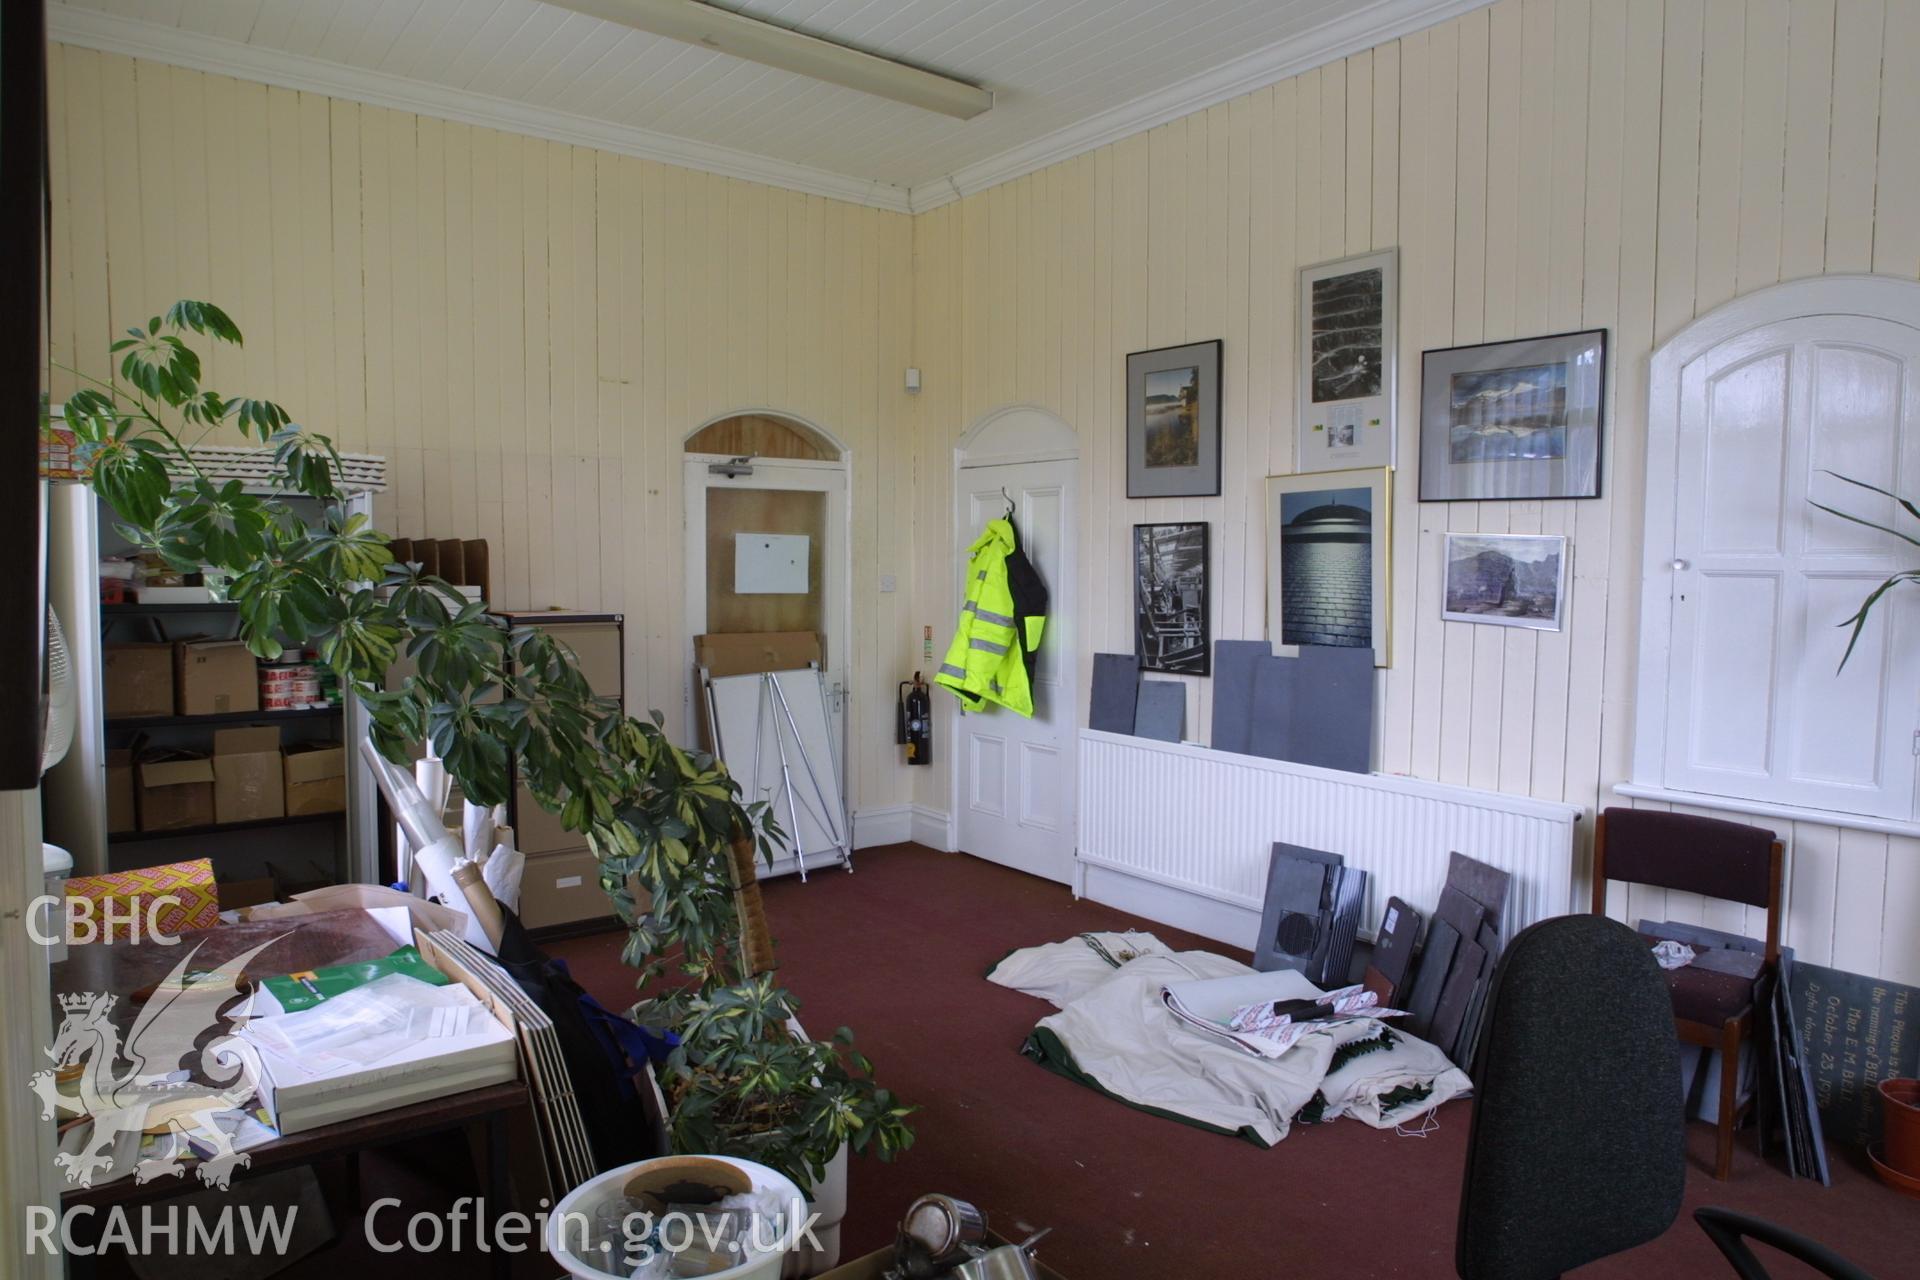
{"x":770,"y":564}
{"x":750,"y":727}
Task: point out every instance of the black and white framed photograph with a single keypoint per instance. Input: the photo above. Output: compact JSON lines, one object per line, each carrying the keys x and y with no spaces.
{"x":1507,"y":579}
{"x":1170,"y":628}
{"x":1513,"y":420}
{"x":1348,"y":331}
{"x":1328,"y":537}
{"x":1173,"y":422}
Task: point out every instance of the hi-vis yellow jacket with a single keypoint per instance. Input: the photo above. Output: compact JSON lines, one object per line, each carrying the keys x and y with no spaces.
{"x":991,"y":657}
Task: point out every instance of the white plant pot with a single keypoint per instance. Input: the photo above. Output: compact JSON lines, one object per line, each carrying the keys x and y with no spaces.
{"x":830,"y":1202}
{"x":582,"y":1199}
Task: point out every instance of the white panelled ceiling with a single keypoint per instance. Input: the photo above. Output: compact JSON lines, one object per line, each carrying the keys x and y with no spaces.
{"x":1066,"y":74}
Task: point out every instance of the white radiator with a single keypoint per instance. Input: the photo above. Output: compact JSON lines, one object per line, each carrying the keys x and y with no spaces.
{"x":1182,"y":835}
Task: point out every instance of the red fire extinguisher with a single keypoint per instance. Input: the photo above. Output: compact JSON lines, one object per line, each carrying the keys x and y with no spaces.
{"x":913,"y":720}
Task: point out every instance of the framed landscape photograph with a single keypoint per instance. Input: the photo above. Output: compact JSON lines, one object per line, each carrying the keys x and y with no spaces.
{"x":1173,"y":422}
{"x":1507,"y":579}
{"x":1513,"y":420}
{"x":1348,"y":332}
{"x":1170,"y":627}
{"x":1328,"y":580}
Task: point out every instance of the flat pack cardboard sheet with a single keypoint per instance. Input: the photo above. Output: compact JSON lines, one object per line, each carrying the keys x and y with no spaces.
{"x":137,"y":679}
{"x":215,"y":677}
{"x":1116,"y":692}
{"x":751,"y":653}
{"x":248,"y":782}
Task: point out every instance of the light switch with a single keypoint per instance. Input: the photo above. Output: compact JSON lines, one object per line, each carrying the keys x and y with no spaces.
{"x":887,"y":583}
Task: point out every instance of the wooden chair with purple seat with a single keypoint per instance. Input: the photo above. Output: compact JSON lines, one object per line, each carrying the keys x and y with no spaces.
{"x":1715,"y":859}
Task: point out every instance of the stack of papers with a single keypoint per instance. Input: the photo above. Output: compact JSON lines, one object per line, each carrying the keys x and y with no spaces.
{"x":386,"y":1044}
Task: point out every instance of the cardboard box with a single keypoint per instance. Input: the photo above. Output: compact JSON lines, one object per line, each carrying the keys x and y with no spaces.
{"x":215,"y":677}
{"x":137,"y":679}
{"x":874,"y":1265}
{"x":122,"y":815}
{"x":316,"y":777}
{"x":196,"y":903}
{"x":562,"y":888}
{"x":175,"y":790}
{"x":537,"y":831}
{"x":248,"y":783}
{"x":235,"y":894}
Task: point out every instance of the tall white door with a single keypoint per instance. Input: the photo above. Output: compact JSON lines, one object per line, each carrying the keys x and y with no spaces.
{"x":1762,"y":580}
{"x":1015,"y":781}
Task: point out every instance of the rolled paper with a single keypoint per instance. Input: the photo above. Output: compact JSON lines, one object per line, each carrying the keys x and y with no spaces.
{"x":476,"y":829}
{"x":482,"y":910}
{"x":503,"y":871}
{"x":434,"y":849}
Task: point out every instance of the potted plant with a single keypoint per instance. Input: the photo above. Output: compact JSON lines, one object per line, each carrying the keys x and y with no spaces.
{"x":486,"y":697}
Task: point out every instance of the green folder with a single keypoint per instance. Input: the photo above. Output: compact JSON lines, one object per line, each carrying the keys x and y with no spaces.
{"x":297,"y":991}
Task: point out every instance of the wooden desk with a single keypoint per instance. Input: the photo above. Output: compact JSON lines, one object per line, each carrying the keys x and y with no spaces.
{"x":309,"y":941}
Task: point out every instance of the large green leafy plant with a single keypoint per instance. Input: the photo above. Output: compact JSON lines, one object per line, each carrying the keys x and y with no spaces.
{"x":485,"y":696}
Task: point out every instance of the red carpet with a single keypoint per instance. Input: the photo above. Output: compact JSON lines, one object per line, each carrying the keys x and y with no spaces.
{"x":897,"y":950}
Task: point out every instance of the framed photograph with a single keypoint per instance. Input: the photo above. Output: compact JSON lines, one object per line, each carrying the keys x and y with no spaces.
{"x":1328,"y":536}
{"x":1173,"y":422}
{"x":1513,"y":420}
{"x":1508,"y":579}
{"x":1170,"y":629}
{"x":1349,"y":326}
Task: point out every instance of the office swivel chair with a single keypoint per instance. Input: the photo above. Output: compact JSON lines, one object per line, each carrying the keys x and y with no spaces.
{"x":1578,"y":1143}
{"x":1577,"y":1148}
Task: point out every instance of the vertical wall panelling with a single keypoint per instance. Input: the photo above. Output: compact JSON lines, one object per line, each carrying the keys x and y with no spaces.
{"x":529,"y":330}
{"x":526,"y":329}
{"x":1543,"y":165}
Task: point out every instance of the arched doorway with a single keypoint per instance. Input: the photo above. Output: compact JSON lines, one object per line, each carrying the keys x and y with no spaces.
{"x":767,"y":553}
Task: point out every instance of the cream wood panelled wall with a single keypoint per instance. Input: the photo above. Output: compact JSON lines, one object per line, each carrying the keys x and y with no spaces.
{"x":1543,"y":165}
{"x":527,"y":330}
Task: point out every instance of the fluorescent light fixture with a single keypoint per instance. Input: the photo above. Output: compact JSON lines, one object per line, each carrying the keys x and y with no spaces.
{"x":762,"y":42}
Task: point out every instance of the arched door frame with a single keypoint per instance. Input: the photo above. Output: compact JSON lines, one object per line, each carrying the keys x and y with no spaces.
{"x":694,"y":469}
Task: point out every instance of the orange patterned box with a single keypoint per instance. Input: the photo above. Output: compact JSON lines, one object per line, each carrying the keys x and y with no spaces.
{"x":113,"y":899}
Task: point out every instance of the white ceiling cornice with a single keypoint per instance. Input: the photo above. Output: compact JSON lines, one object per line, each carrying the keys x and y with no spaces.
{"x":111,"y":33}
{"x":1360,"y":28}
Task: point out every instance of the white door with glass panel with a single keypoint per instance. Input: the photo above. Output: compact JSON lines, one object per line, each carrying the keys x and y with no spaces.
{"x":767,"y":552}
{"x":1014,"y":777}
{"x":1762,"y":580}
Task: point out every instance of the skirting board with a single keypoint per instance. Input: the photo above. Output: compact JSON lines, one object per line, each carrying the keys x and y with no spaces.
{"x":890,"y":825}
{"x":1233,"y":923}
{"x":902,"y":824}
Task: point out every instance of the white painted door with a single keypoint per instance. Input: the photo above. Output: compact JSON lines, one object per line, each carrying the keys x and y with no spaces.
{"x":1758,"y":706}
{"x":1015,"y":781}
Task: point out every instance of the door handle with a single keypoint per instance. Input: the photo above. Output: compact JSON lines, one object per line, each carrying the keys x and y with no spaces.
{"x":1680,"y":566}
